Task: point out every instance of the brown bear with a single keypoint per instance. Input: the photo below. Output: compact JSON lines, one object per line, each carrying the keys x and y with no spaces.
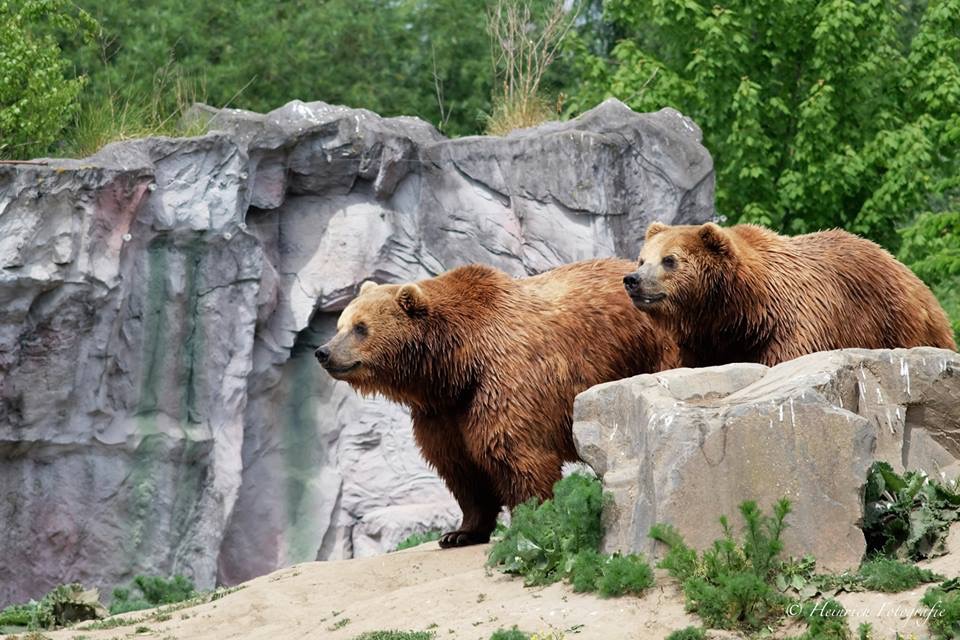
{"x":489,"y":366}
{"x":747,"y":294}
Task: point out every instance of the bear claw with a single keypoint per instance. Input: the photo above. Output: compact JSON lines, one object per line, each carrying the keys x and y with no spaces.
{"x":462,"y":539}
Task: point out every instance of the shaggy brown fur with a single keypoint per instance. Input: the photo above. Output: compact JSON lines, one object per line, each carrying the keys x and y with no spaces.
{"x":490,"y":365}
{"x":747,"y":294}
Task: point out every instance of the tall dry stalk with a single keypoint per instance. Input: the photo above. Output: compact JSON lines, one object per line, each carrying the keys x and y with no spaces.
{"x":522,"y":52}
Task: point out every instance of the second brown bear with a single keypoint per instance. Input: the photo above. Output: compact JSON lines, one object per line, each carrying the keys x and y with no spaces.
{"x":489,"y":366}
{"x":747,"y":294}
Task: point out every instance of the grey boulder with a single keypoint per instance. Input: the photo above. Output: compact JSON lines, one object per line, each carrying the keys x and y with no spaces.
{"x":686,"y":446}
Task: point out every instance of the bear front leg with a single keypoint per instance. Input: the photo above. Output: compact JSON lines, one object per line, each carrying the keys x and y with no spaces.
{"x":470,"y":485}
{"x":477,"y":499}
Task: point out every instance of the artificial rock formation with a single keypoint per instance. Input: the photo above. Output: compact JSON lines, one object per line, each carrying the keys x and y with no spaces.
{"x":687,"y":446}
{"x":160,"y":409}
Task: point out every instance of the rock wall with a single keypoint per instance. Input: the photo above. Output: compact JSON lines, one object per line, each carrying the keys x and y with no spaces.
{"x":689,"y":445}
{"x":160,"y":411}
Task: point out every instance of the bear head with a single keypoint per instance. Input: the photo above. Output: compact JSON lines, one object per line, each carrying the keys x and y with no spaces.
{"x":377,"y":336}
{"x":679,"y":266}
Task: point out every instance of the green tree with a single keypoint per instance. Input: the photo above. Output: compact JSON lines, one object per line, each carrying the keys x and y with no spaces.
{"x":390,"y":57}
{"x":37,"y":91}
{"x":818,"y":113}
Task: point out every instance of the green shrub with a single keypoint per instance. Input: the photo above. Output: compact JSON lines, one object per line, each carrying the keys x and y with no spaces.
{"x":624,"y":574}
{"x":680,"y":560}
{"x":17,"y":615}
{"x":152,"y":591}
{"x":886,"y":574}
{"x":611,"y":576}
{"x":63,"y":605}
{"x":509,"y":634}
{"x":560,"y":539}
{"x":122,"y":602}
{"x":736,"y":600}
{"x":416,"y":539}
{"x":37,"y":99}
{"x":690,"y":633}
{"x":543,"y":539}
{"x":944,"y":600}
{"x":907,"y":516}
{"x":585,"y":571}
{"x":731,"y":585}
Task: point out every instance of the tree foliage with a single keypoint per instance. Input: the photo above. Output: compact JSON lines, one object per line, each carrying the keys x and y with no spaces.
{"x":818,"y":113}
{"x":393,"y":58}
{"x":38,"y":90}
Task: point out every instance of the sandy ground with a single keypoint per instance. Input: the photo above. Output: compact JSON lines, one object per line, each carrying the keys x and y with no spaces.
{"x":451,"y":593}
{"x":423,"y":588}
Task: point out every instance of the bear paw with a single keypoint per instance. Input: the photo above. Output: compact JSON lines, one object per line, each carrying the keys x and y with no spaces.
{"x":462,"y":538}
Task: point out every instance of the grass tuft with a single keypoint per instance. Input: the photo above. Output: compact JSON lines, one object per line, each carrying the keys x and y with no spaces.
{"x":102,"y":120}
{"x":892,"y":576}
{"x":395,"y":635}
{"x":519,"y":113}
{"x":690,"y":633}
{"x":416,"y":539}
{"x":944,"y":602}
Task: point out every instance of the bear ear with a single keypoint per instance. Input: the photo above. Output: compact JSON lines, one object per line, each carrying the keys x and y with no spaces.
{"x":367,"y":286}
{"x":412,"y":300}
{"x":655,"y":228}
{"x":715,"y":238}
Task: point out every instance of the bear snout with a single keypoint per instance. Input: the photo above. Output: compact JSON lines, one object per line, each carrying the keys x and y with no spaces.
{"x":323,"y":354}
{"x":631,"y":282}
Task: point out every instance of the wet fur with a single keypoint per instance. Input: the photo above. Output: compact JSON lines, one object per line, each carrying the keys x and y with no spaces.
{"x":748,"y":294}
{"x":490,"y":365}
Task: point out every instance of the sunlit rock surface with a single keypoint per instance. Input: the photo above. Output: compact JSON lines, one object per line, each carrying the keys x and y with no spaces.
{"x":689,"y":445}
{"x":160,"y":409}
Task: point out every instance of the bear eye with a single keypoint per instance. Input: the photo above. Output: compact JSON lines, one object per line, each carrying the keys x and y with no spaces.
{"x":669,"y":262}
{"x":641,"y":263}
{"x":360,"y":329}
